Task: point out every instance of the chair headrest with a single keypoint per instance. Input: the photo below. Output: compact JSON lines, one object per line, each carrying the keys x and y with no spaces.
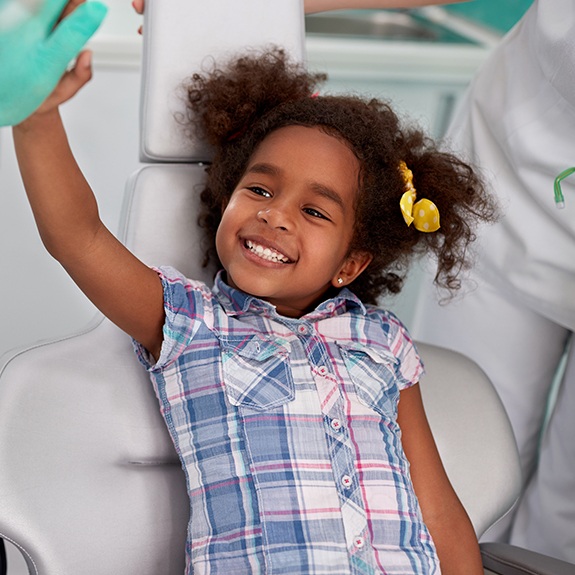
{"x":182,"y":40}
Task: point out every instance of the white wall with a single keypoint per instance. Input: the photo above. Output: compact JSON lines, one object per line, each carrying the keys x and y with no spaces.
{"x":37,"y":300}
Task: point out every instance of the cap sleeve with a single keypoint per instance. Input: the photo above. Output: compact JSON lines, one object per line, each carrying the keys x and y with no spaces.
{"x":409,"y":366}
{"x":187,"y":303}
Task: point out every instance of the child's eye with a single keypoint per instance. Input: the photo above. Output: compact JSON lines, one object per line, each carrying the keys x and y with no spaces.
{"x":260,"y":191}
{"x":314,"y":213}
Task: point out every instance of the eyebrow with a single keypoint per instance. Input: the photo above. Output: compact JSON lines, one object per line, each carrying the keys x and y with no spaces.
{"x":263,"y":168}
{"x":318,"y":188}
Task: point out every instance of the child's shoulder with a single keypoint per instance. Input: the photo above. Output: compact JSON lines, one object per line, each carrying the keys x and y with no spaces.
{"x":172,"y":276}
{"x":184,"y":295}
{"x":384,"y":317}
{"x":385,"y":339}
{"x":381,"y":326}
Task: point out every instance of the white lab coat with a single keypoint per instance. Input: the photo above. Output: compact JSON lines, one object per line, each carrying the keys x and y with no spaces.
{"x":517,"y":124}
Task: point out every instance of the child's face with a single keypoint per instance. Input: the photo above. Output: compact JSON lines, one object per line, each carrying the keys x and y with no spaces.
{"x":286,"y":231}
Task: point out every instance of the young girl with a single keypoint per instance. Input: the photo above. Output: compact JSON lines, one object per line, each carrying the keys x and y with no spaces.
{"x":292,"y":400}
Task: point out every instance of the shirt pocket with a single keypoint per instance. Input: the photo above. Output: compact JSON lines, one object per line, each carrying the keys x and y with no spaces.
{"x":257,"y":372}
{"x":373,"y":373}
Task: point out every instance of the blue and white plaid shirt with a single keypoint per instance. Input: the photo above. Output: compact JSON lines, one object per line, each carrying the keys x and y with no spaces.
{"x":286,"y":429}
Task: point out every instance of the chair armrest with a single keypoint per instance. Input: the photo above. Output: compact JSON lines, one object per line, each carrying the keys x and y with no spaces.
{"x":504,"y":559}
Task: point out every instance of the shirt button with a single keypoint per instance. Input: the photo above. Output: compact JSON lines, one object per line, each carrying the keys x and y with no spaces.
{"x":302,"y":328}
{"x":335,"y":424}
{"x":322,"y":369}
{"x":346,"y":481}
{"x":359,"y":542}
{"x":330,"y":306}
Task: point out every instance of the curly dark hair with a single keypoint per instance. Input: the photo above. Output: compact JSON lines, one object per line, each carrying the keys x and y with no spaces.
{"x":235,"y":107}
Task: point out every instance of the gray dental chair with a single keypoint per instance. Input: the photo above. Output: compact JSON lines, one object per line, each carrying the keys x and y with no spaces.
{"x":90,"y":483}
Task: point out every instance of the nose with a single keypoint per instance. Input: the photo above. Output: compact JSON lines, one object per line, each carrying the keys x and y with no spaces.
{"x":275,"y":217}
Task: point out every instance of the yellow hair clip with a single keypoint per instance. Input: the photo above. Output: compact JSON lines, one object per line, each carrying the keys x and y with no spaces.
{"x":423,"y":214}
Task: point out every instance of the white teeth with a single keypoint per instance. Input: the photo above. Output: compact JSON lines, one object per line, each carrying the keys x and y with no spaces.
{"x":266,"y":253}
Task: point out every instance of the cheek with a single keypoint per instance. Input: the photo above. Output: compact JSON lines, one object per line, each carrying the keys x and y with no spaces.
{"x":223,"y":206}
{"x":221,"y":235}
{"x":226,"y":232}
{"x":220,"y":238}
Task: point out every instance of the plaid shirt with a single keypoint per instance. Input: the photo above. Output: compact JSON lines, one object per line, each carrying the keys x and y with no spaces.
{"x":286,"y":429}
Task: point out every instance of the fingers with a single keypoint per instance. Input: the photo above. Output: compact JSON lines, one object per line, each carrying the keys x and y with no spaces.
{"x":70,"y":7}
{"x":70,"y":83}
{"x":50,"y":12}
{"x":72,"y":33}
{"x":77,"y":77}
{"x":73,"y":80}
{"x":62,"y":46}
{"x":138,"y":6}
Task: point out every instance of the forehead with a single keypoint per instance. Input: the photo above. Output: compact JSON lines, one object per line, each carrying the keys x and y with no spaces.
{"x":308,"y":154}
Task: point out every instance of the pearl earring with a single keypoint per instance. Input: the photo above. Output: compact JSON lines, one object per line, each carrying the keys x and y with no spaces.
{"x":339,"y":281}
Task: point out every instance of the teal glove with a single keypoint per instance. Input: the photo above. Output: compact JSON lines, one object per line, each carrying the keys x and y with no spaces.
{"x":34,"y":55}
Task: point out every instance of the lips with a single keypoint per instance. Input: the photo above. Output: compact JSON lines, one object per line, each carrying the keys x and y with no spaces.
{"x":266,"y":253}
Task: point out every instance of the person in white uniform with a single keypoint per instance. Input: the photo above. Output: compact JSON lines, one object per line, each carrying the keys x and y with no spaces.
{"x":516,"y":318}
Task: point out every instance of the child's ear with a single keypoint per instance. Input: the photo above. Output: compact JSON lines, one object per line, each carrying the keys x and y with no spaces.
{"x":353,"y":266}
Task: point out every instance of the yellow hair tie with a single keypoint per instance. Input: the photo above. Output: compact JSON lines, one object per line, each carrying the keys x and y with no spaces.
{"x":423,"y":214}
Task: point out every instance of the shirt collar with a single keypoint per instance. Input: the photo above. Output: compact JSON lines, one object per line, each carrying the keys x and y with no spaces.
{"x":236,"y":302}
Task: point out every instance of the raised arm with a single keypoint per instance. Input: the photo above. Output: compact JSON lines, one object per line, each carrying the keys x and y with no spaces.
{"x":121,"y":286}
{"x":443,"y":513}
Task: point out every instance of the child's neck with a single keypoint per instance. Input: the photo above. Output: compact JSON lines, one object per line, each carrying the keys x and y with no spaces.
{"x":284,"y":308}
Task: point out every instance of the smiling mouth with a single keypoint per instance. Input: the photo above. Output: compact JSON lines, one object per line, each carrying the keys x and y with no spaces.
{"x":266,"y":253}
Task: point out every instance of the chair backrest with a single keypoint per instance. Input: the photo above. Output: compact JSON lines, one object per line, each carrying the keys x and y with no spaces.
{"x":89,"y":480}
{"x":184,"y":36}
{"x":473,"y":434}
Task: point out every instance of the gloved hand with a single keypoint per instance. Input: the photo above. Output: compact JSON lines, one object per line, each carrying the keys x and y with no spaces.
{"x":34,"y":55}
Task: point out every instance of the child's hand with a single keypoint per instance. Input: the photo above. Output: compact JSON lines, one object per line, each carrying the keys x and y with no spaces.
{"x":34,"y":56}
{"x":69,"y":84}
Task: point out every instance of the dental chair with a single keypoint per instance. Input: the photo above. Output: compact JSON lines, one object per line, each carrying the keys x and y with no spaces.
{"x":90,"y":483}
